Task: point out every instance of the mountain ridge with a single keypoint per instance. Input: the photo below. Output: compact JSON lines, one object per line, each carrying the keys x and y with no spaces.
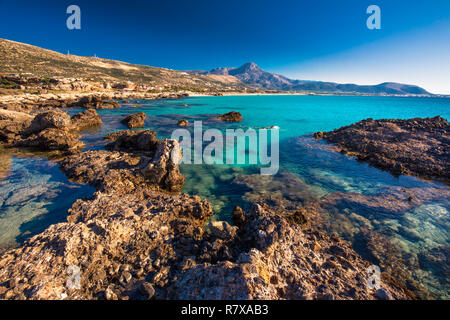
{"x":21,"y":58}
{"x":251,"y":74}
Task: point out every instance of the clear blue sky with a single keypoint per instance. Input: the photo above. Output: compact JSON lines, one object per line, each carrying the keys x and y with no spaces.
{"x":317,"y":40}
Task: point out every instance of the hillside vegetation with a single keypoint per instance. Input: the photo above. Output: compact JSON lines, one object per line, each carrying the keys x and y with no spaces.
{"x":19,"y":58}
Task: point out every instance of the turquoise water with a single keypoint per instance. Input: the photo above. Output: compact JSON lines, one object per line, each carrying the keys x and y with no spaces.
{"x":34,"y":194}
{"x":308,"y":172}
{"x":417,"y":236}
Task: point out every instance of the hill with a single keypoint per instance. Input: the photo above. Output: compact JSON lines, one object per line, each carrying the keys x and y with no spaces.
{"x":251,"y":74}
{"x":19,"y":58}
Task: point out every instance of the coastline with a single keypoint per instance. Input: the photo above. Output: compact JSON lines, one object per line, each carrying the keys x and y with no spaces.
{"x":15,"y":264}
{"x":40,"y":239}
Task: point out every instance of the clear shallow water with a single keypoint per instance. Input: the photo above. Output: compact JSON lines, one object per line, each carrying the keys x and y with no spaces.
{"x":34,"y":194}
{"x":308,"y":172}
{"x":419,"y":235}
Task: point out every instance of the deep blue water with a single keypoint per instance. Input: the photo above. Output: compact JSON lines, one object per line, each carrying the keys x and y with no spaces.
{"x":308,"y":170}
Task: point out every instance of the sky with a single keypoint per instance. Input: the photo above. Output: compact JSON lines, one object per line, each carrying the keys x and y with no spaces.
{"x":325,"y":40}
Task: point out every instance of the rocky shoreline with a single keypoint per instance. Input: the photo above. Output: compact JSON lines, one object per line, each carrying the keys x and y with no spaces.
{"x":87,"y":100}
{"x":418,"y":146}
{"x":137,"y":237}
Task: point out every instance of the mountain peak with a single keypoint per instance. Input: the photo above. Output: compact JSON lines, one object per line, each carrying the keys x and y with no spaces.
{"x":251,"y":66}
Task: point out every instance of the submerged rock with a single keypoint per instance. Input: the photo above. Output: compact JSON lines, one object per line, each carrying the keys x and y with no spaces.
{"x":183,"y":123}
{"x":232,"y":116}
{"x":85,"y":119}
{"x":418,"y":146}
{"x":135,"y":120}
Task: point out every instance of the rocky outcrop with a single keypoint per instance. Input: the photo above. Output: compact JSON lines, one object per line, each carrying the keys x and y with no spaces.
{"x":54,"y":119}
{"x":135,"y":120}
{"x":273,"y":258}
{"x":86,"y":119}
{"x":47,"y":131}
{"x":147,"y":161}
{"x":116,"y":246}
{"x":147,"y":244}
{"x":51,"y":139}
{"x":232,"y":116}
{"x":132,"y":141}
{"x":12,"y":124}
{"x":93,"y":102}
{"x":416,"y":146}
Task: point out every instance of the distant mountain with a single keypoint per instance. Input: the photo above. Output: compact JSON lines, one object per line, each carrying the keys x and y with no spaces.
{"x":251,"y":74}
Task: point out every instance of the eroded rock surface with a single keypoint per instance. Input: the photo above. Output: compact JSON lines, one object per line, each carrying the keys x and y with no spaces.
{"x":232,"y":116}
{"x":135,"y":120}
{"x":46,"y":131}
{"x":273,"y":258}
{"x":86,"y":119}
{"x":419,"y":147}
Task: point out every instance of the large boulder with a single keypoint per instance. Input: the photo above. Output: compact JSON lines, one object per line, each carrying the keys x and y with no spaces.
{"x":12,"y":124}
{"x":135,"y":120}
{"x":132,"y":141}
{"x":55,"y":119}
{"x":85,"y":119}
{"x":51,"y":139}
{"x":232,"y":116}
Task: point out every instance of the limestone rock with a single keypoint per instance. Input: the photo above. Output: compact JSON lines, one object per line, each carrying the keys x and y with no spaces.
{"x":232,"y":116}
{"x":222,"y":230}
{"x":85,"y":119}
{"x":135,"y":120}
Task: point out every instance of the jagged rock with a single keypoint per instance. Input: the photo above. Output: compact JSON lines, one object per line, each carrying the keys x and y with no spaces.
{"x":55,"y":119}
{"x":52,"y":139}
{"x":132,"y":141}
{"x":135,"y":120}
{"x":12,"y":124}
{"x":222,"y":230}
{"x":109,"y":238}
{"x":160,"y":167}
{"x":85,"y":119}
{"x":183,"y":123}
{"x":417,"y":146}
{"x":232,"y":116}
{"x":274,"y":259}
{"x":125,"y":171}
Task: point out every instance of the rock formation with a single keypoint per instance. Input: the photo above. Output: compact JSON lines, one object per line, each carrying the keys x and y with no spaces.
{"x":416,"y":146}
{"x":47,"y":130}
{"x":232,"y":116}
{"x":183,"y":123}
{"x":135,"y":120}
